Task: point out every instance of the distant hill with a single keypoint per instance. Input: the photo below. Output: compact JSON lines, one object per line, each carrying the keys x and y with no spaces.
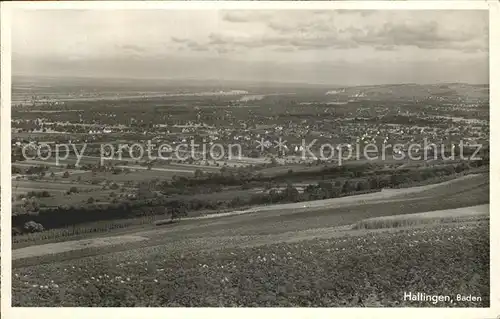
{"x":417,"y":91}
{"x":26,"y":86}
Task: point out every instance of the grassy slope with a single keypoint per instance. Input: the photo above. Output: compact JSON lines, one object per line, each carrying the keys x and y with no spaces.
{"x":371,"y":270}
{"x":472,"y":213}
{"x":280,"y":221}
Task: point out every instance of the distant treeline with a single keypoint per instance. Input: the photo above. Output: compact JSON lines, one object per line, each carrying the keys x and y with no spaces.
{"x":349,"y":180}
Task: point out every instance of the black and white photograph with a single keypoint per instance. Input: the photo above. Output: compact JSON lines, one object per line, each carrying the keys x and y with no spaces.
{"x":250,"y":157}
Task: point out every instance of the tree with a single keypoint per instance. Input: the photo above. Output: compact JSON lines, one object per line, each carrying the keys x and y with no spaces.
{"x":327,"y":186}
{"x":348,"y":187}
{"x":29,"y":207}
{"x":397,"y":179}
{"x":236,"y":202}
{"x":384,"y":181}
{"x":144,"y":191}
{"x":291,"y":193}
{"x":198,"y":173}
{"x":177,"y":209}
{"x":66,"y":174}
{"x":373,"y":183}
{"x":274,"y":162}
{"x":362,"y":185}
{"x":254,"y":154}
{"x":268,"y":186}
{"x":33,"y":227}
{"x":246,"y":186}
{"x":90,"y":200}
{"x":16,"y":231}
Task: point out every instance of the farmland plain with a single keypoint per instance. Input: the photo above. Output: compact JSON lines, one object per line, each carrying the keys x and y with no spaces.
{"x":268,"y":229}
{"x":276,"y":257}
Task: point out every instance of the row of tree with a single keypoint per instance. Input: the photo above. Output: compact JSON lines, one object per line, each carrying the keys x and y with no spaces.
{"x":153,"y":197}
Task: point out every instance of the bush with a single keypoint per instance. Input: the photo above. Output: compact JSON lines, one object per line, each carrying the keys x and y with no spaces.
{"x":33,"y":227}
{"x":16,"y":231}
{"x":348,"y":187}
{"x":163,"y":222}
{"x":362,"y":185}
{"x":246,"y":186}
{"x":236,"y":201}
{"x":16,"y":170}
{"x":37,"y":194}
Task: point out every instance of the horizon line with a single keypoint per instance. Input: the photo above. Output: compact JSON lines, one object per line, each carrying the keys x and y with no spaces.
{"x":437,"y":82}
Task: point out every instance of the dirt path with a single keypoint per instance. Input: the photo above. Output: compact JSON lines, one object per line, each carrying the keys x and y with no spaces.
{"x":216,"y":240}
{"x":284,"y":222}
{"x":56,"y":248}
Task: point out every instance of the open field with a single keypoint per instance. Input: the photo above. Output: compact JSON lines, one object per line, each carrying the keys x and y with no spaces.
{"x":349,"y":271}
{"x":135,"y":175}
{"x":89,"y":159}
{"x":388,"y":162}
{"x":229,"y":163}
{"x":475,"y":213}
{"x":61,"y":186}
{"x":269,"y":220}
{"x":41,"y":250}
{"x":295,"y":254}
{"x":280,"y":255}
{"x":465,"y":183}
{"x":474,"y":189}
{"x":435,"y":217}
{"x":58,"y":192}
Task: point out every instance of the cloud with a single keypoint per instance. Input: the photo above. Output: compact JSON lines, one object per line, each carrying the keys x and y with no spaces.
{"x":246,"y":16}
{"x":363,"y":13}
{"x":430,"y":35}
{"x":343,"y":29}
{"x":196,"y":46}
{"x":179,"y":40}
{"x":304,"y":39}
{"x":288,"y":34}
{"x":189,"y":44}
{"x":130,"y":48}
{"x":282,"y":42}
{"x":385,"y":47}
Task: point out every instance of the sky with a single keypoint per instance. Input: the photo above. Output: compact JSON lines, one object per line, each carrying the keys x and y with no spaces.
{"x":338,"y":47}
